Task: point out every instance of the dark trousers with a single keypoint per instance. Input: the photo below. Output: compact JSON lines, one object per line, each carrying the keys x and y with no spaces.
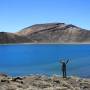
{"x":64,"y":74}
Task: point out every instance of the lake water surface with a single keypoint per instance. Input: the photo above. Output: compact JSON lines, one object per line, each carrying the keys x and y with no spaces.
{"x":44,"y":59}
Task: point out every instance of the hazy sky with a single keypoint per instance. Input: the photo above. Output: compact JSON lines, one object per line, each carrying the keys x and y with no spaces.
{"x":18,"y":14}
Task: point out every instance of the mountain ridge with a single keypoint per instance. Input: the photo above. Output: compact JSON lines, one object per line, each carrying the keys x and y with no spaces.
{"x":48,"y":33}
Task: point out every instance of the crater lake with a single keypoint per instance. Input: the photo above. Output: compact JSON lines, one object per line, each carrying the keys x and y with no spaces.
{"x":44,"y":59}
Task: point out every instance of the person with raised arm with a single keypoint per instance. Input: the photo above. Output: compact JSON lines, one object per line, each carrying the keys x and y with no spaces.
{"x":64,"y":67}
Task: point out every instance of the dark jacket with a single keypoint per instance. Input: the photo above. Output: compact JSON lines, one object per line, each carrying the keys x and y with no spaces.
{"x":63,"y":66}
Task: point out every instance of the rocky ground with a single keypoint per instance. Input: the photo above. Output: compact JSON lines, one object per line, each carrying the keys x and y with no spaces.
{"x":43,"y":83}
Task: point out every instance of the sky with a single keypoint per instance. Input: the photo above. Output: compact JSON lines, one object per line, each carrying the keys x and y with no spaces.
{"x":18,"y":14}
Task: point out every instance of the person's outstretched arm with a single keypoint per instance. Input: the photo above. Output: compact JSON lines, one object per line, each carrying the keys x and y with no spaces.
{"x":67,"y":61}
{"x":61,"y":61}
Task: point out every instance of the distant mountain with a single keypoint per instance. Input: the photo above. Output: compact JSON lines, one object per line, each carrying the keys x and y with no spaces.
{"x":47,"y":33}
{"x":56,"y":33}
{"x":6,"y":37}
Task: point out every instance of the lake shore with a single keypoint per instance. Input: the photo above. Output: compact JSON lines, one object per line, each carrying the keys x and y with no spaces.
{"x":46,"y":43}
{"x":38,"y":82}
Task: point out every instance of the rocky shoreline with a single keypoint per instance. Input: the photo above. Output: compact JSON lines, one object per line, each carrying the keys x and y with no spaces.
{"x":37,"y":82}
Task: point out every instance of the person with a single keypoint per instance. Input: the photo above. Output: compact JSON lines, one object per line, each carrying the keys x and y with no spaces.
{"x":64,"y":68}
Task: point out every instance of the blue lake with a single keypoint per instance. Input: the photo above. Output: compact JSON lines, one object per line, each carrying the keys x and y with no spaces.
{"x":44,"y":59}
